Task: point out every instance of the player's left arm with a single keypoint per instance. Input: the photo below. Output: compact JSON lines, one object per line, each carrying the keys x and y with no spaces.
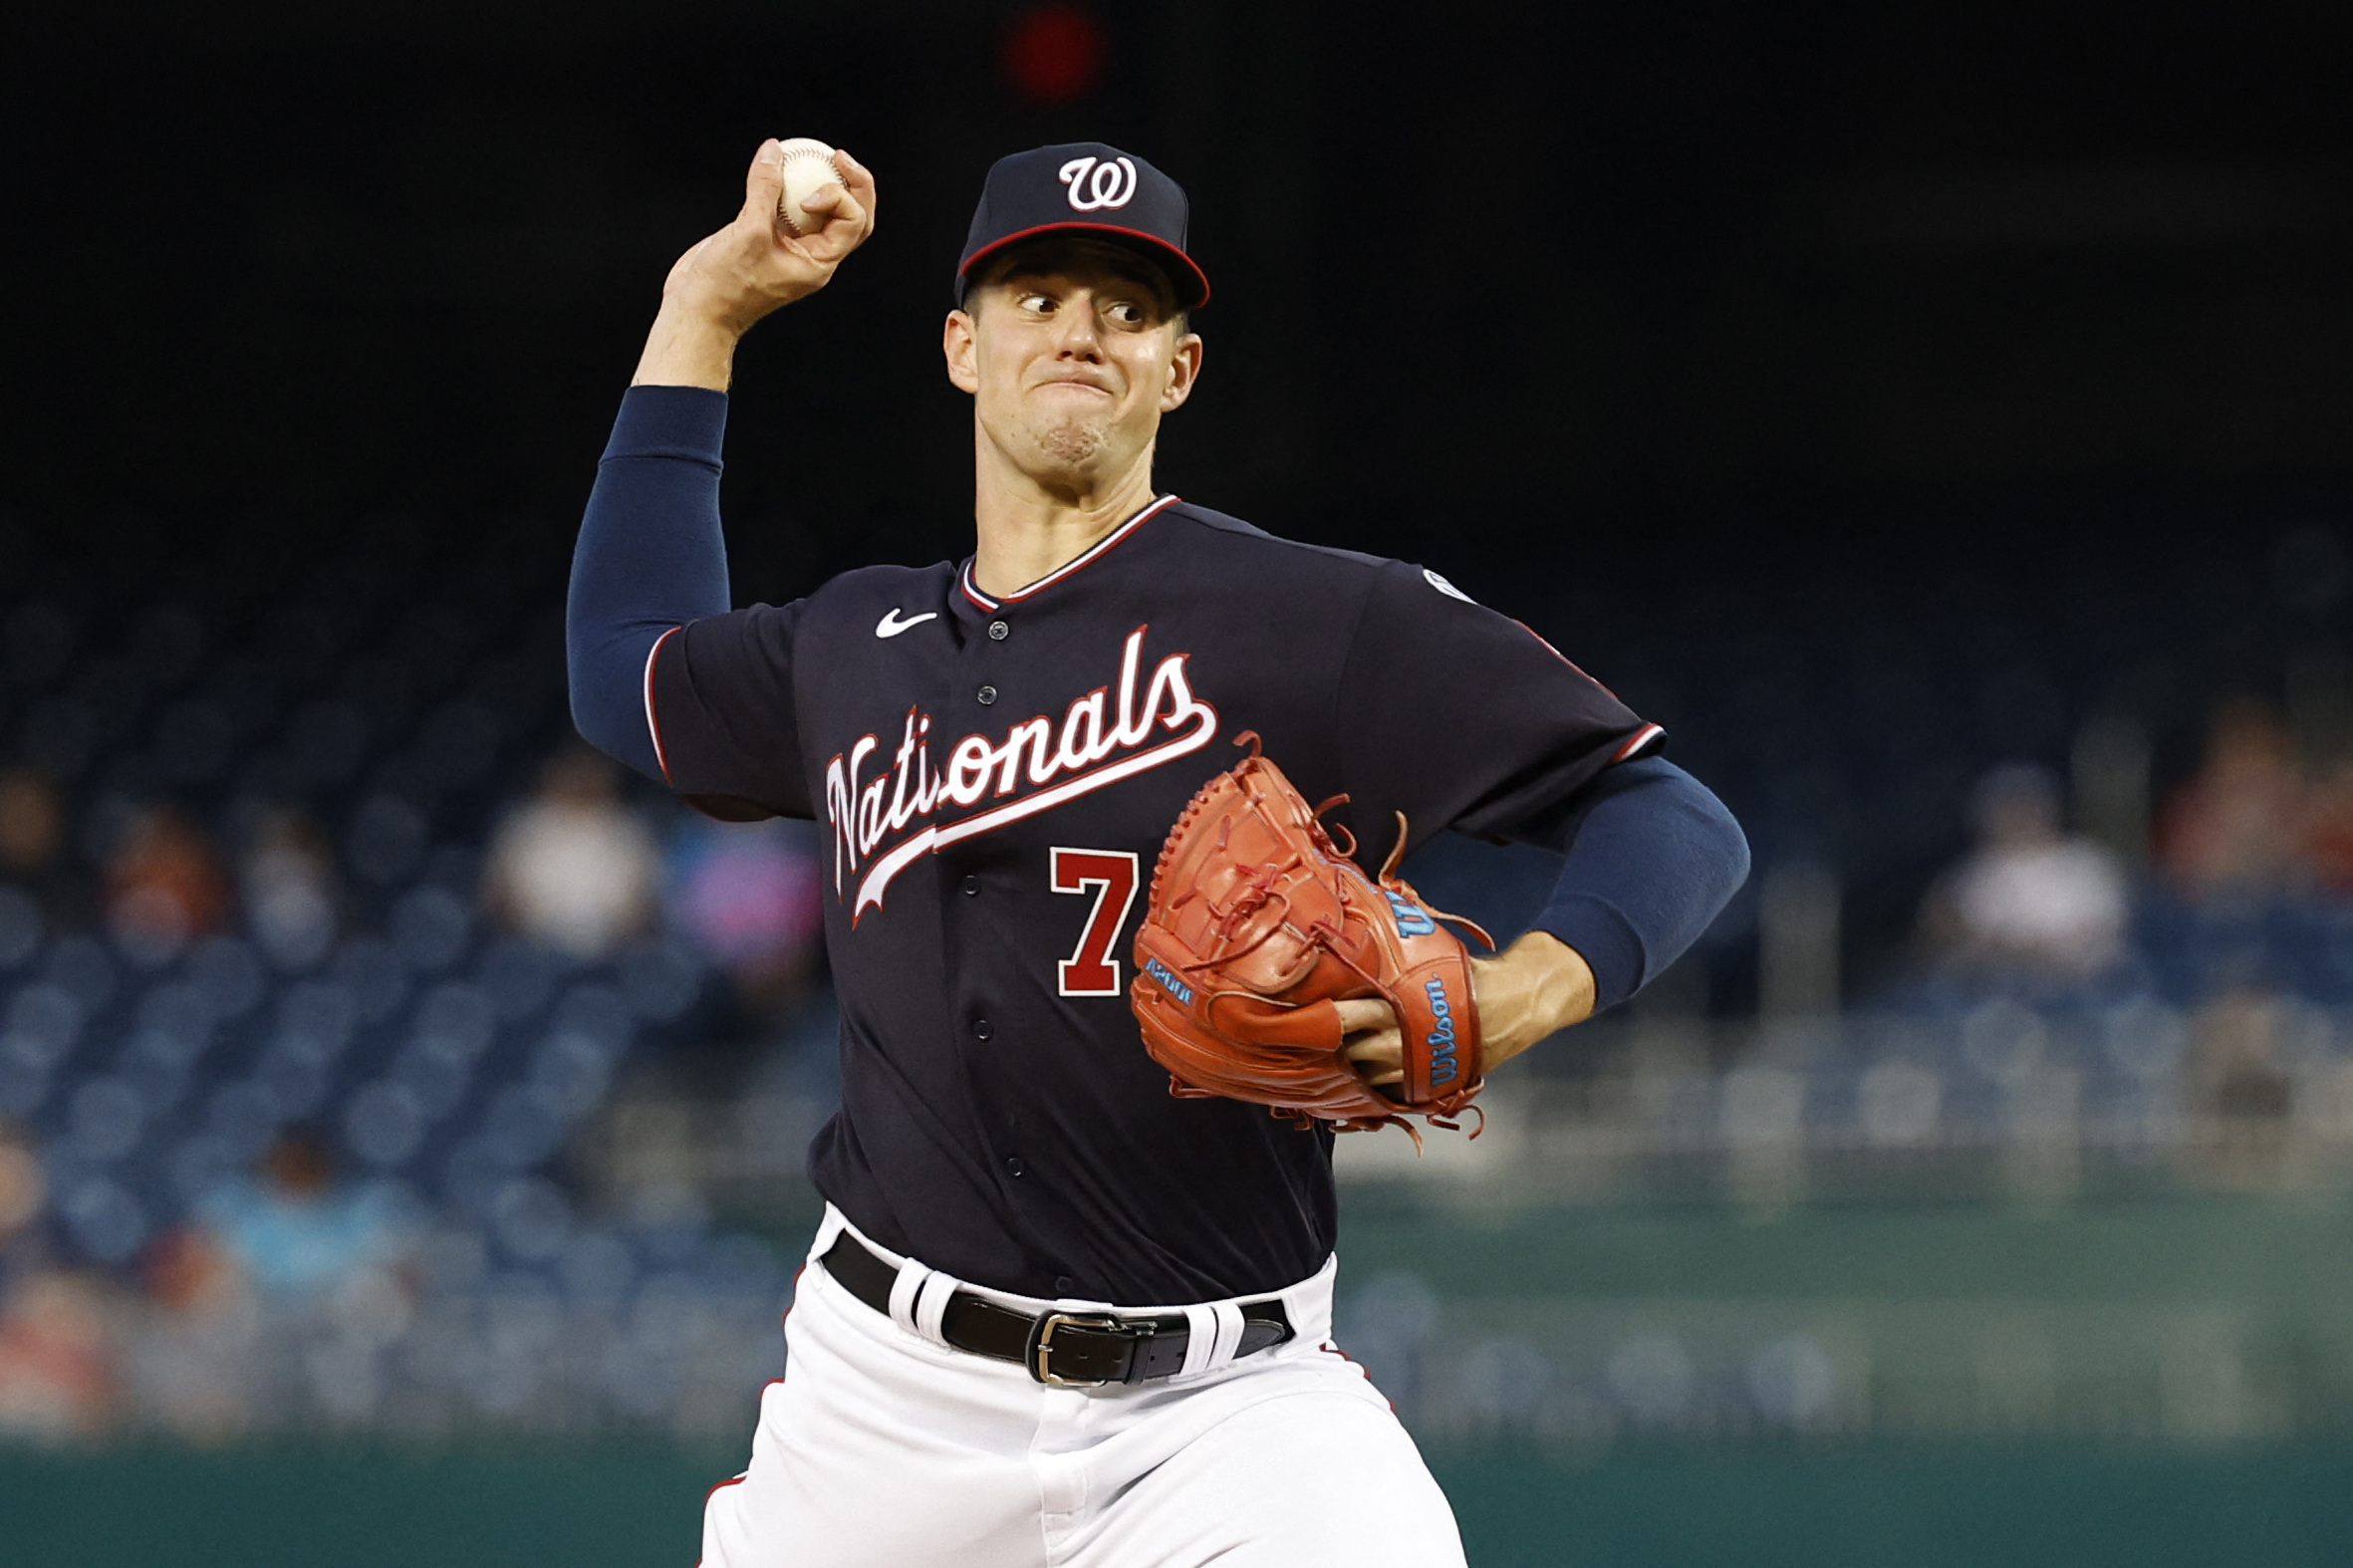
{"x":1461,"y":717}
{"x":1651,"y":858}
{"x":1530,"y":991}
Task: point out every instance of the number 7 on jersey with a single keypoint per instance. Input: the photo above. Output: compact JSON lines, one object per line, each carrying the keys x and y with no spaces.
{"x":1090,"y":970}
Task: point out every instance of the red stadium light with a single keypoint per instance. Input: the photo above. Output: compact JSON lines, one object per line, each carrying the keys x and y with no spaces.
{"x":1055,"y":53}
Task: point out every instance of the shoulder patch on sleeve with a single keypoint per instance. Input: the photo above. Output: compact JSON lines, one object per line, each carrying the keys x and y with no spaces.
{"x":1445,"y":587}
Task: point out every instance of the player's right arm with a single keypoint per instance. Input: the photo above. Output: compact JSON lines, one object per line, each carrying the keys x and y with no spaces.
{"x":730,"y":280}
{"x":651,"y":561}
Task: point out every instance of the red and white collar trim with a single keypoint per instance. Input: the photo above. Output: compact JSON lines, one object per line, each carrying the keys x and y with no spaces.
{"x":972,"y":588}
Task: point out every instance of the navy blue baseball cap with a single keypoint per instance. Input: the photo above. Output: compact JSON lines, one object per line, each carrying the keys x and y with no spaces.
{"x":1084,"y":187}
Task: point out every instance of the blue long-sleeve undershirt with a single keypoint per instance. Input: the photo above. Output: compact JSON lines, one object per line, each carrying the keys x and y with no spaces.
{"x":1649,"y":854}
{"x":651,"y":556}
{"x":1651,"y":858}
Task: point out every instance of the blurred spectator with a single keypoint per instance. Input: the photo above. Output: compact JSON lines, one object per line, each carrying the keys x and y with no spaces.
{"x":2328,"y":832}
{"x":32,"y":821}
{"x":2233,"y":829}
{"x":2240,"y":1087}
{"x":54,"y":1376}
{"x":2028,"y":899}
{"x":289,"y":887}
{"x":23,"y":1191}
{"x":2236,"y":1070}
{"x":190,"y":1369}
{"x":747,"y":893}
{"x":165,"y":886}
{"x":32,"y":837}
{"x":294,"y":1231}
{"x":189,"y":1270}
{"x":572,"y":869}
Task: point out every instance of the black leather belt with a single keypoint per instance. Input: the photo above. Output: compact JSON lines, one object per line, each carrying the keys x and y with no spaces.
{"x":1067,"y":1348}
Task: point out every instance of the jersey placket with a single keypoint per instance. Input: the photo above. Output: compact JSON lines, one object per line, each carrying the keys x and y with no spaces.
{"x":980,"y":897}
{"x":1023,"y":657}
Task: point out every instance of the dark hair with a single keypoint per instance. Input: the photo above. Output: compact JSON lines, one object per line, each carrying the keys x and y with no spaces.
{"x":1057,"y":252}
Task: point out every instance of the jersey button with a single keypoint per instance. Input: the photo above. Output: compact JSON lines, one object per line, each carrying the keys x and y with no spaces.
{"x":982,"y":1029}
{"x":998,"y":631}
{"x":987,"y":694}
{"x":971,"y":886}
{"x":1064,"y":1284}
{"x":1014,"y":1164}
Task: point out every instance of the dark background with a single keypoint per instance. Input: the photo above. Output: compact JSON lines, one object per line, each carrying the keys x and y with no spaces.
{"x":1516,"y":273}
{"x":1809,"y":373}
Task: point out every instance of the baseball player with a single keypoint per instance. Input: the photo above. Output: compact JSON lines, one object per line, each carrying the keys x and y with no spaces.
{"x":1055,"y":1314}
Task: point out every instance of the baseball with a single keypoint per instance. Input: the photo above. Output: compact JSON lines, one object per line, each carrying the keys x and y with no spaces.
{"x":808,"y":167}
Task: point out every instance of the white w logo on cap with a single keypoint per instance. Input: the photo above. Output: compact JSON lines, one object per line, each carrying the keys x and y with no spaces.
{"x":1103,"y":188}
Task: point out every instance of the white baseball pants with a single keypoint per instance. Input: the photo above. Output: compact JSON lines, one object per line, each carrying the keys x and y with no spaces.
{"x":880,"y":1449}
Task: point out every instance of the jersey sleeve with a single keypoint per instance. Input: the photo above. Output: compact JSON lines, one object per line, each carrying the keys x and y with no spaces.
{"x":1463,"y":718}
{"x":719,"y":701}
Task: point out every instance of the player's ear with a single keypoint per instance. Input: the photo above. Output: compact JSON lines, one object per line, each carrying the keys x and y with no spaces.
{"x":957,"y":340}
{"x":1184,"y":368}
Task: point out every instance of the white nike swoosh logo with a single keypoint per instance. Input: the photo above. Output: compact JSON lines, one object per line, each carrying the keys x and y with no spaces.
{"x":891,"y":625}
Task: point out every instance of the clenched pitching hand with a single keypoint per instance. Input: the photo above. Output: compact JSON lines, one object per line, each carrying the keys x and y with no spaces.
{"x":755,"y":265}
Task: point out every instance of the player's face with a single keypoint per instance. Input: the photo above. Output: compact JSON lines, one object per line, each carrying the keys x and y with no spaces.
{"x":1071,"y":367}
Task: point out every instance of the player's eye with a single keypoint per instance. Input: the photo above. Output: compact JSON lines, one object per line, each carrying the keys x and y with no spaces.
{"x":1127,"y":315}
{"x":1042,"y":303}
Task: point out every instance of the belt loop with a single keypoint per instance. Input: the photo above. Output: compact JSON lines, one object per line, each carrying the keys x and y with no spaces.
{"x":1200,"y":1343}
{"x":1229,"y":1332}
{"x":904,"y":1291}
{"x":931,"y":1306}
{"x":829,"y":1230}
{"x":1309,"y":1303}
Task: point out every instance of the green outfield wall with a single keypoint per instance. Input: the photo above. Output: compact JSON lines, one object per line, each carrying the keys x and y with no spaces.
{"x":2142,"y":1384}
{"x":1838,"y":1506}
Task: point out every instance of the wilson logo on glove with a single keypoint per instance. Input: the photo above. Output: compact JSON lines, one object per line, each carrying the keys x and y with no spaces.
{"x":1442,"y":1039}
{"x":1258,"y":927}
{"x":1410,"y":921}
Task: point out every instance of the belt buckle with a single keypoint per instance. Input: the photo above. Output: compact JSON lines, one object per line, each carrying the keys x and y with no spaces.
{"x":1041,"y":1345}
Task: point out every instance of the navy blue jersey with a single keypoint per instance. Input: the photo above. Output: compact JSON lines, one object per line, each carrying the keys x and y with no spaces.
{"x":996,"y":778}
